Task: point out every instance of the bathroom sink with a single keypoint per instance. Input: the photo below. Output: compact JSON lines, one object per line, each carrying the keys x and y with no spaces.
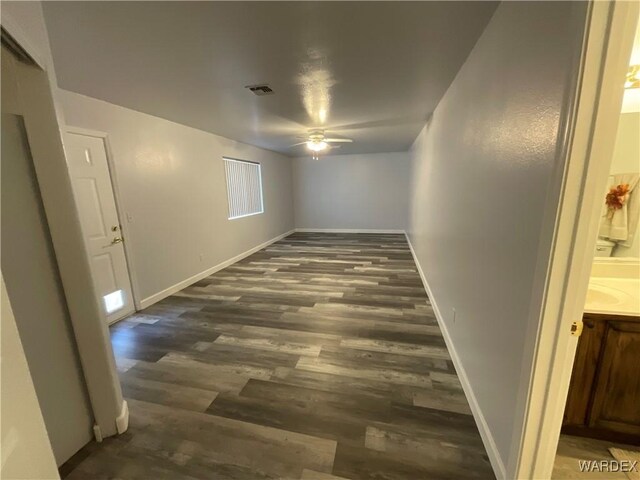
{"x":601,"y":295}
{"x":616,"y":296}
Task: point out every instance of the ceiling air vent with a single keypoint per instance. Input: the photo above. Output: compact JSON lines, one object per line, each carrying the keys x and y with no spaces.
{"x":260,"y":90}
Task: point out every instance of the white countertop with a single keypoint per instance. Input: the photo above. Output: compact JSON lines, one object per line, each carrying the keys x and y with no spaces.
{"x":614,"y":296}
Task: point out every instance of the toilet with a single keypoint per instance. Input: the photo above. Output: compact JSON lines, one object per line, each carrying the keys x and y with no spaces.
{"x":604,"y":248}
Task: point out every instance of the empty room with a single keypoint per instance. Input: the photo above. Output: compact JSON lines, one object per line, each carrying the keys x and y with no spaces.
{"x":320,"y":240}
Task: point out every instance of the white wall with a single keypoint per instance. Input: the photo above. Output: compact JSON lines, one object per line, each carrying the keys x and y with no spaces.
{"x":483,"y":170}
{"x":172,"y":185}
{"x":631,"y":99}
{"x":626,"y":154}
{"x":26,"y":451}
{"x":367,"y":191}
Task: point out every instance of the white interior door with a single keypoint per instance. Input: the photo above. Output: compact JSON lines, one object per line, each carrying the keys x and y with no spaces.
{"x":92,"y":187}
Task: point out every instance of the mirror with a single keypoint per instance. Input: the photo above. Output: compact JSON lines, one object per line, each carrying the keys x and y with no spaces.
{"x":618,"y":236}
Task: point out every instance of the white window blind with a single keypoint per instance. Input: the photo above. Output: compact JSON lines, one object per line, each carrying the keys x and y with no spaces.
{"x":244,"y":188}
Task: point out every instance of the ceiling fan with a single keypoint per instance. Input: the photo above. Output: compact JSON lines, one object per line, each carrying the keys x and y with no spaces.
{"x":317,"y":141}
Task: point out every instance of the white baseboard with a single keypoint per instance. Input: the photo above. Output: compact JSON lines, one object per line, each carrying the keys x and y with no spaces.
{"x":346,"y":230}
{"x":156,"y":297}
{"x":487,"y":438}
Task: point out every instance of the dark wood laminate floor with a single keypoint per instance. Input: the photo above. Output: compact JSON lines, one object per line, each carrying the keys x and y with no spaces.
{"x":316,"y":358}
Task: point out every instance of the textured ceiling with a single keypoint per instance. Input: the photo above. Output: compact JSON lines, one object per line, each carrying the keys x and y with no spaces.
{"x":371,"y":71}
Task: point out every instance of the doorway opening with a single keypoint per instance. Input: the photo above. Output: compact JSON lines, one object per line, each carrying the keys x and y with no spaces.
{"x":590,"y":137}
{"x":44,"y":263}
{"x":600,"y":436}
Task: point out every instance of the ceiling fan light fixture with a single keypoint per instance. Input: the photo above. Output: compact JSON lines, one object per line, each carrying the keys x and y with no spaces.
{"x":317,"y":146}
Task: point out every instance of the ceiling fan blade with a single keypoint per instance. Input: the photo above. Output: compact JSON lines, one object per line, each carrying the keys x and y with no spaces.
{"x":338,"y":140}
{"x":296,"y":144}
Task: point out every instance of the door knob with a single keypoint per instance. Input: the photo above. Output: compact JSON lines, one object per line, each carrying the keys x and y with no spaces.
{"x":116,"y":240}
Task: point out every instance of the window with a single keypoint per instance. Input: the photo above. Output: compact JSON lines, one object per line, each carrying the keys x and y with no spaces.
{"x":244,"y":188}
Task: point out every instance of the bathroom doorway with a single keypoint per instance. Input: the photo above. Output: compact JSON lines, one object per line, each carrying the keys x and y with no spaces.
{"x":590,"y":136}
{"x":600,"y":436}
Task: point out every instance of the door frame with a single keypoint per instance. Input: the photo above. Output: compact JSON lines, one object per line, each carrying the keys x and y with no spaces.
{"x":588,"y":145}
{"x":124,"y":224}
{"x":43,"y":126}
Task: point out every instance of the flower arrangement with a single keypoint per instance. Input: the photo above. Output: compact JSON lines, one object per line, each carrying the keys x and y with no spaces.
{"x":616,"y":198}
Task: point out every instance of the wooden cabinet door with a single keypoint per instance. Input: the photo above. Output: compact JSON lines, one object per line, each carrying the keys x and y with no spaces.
{"x":616,"y":401}
{"x":584,"y":372}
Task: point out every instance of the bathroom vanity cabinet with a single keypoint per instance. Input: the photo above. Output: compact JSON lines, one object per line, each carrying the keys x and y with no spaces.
{"x":604,"y":394}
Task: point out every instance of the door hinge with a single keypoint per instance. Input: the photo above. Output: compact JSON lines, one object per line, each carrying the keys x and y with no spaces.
{"x":576,"y":328}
